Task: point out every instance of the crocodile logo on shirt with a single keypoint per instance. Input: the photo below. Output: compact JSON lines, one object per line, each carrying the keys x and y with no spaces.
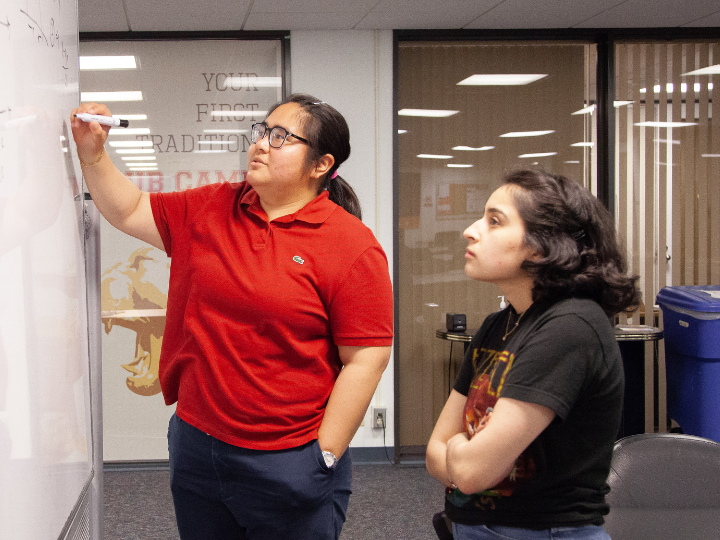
{"x":298,"y":259}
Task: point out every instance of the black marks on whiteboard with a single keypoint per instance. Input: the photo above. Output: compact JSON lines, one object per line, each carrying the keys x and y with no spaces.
{"x":49,"y":35}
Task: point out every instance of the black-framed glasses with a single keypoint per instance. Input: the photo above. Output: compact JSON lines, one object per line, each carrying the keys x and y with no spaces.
{"x":277,"y":135}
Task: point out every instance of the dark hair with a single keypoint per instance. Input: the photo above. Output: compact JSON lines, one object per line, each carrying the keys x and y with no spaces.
{"x":328,"y":133}
{"x":575,"y":237}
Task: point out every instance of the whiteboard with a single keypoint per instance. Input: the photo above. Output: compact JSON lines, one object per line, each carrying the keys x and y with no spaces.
{"x":46,"y":457}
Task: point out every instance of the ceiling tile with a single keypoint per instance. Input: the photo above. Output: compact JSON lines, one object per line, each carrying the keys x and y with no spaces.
{"x":536,"y":14}
{"x":712,"y":21}
{"x":101,"y":16}
{"x":414,"y":19}
{"x":326,"y":20}
{"x":312,"y":6}
{"x":186,"y":15}
{"x":652,"y":13}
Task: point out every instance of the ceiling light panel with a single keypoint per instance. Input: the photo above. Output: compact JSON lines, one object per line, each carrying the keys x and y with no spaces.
{"x":710,"y":70}
{"x":429,"y":113}
{"x":107,"y":62}
{"x":501,"y":80}
{"x":103,"y":97}
{"x":528,"y":133}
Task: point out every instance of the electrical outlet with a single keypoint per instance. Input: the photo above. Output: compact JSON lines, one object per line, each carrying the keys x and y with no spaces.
{"x":379,"y":417}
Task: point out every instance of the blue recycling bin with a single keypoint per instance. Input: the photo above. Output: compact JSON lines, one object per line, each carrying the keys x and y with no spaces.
{"x":691,"y":317}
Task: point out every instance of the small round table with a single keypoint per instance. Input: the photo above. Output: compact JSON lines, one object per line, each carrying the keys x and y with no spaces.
{"x":452,"y":337}
{"x":632,"y":339}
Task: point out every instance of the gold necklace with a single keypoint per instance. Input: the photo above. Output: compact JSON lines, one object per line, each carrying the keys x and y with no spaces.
{"x":507,"y":333}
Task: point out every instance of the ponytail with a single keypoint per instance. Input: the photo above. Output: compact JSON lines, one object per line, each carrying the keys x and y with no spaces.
{"x":343,"y":195}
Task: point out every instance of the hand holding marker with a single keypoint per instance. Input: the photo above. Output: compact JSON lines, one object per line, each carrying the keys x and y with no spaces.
{"x":100,"y":119}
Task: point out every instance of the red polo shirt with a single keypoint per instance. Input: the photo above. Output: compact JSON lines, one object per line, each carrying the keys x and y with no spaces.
{"x":256,"y":310}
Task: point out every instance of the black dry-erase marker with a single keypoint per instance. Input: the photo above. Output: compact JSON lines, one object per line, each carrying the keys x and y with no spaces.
{"x":106,"y":120}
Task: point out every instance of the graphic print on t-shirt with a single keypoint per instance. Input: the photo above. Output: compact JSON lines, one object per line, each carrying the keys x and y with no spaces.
{"x":491,"y":369}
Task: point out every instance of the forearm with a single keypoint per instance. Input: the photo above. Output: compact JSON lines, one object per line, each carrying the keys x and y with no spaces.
{"x":436,"y":461}
{"x":482,"y":461}
{"x":467,"y":468}
{"x":348,"y":403}
{"x":115,"y":195}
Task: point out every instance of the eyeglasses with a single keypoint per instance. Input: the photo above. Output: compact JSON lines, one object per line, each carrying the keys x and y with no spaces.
{"x":277,"y":137}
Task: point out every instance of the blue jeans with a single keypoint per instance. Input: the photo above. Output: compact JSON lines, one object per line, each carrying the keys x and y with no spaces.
{"x":223,"y":492}
{"x":496,"y":532}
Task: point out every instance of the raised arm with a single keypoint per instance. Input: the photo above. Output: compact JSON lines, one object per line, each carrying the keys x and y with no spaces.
{"x":117,"y":198}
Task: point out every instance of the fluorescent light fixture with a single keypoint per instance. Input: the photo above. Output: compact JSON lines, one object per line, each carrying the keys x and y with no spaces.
{"x":143,"y":158}
{"x":238,"y":113}
{"x":131,"y":116}
{"x":586,"y":110}
{"x":434,"y":156}
{"x":666,"y":124}
{"x":617,"y":104}
{"x":711,"y":155}
{"x":429,"y":113}
{"x":130,"y":144}
{"x":670,"y":88}
{"x":710,"y":70}
{"x":527,"y":133}
{"x":258,"y":82}
{"x":217,"y":142}
{"x":135,"y":150}
{"x":103,"y":97}
{"x":459,"y":165}
{"x":665,"y":141}
{"x":539,"y":154}
{"x":505,"y":79}
{"x":225,"y":130}
{"x":583,"y":144}
{"x":107,"y":62}
{"x":572,"y":161}
{"x":401,"y":131}
{"x":143,"y":168}
{"x":129,"y":131}
{"x":210,"y":151}
{"x":470,"y":148}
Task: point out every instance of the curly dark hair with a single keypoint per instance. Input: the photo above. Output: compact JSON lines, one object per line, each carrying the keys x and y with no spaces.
{"x":575,"y":237}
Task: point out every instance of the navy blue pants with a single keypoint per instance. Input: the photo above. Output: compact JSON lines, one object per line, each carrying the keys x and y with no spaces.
{"x":224,"y":492}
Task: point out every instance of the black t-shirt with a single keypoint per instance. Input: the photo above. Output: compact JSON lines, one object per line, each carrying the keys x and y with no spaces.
{"x":565,"y":357}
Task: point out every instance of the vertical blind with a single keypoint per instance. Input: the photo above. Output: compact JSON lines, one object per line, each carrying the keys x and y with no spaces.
{"x":667,"y":169}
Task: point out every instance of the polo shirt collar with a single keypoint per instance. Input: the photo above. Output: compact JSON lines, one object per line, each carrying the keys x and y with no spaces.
{"x":316,"y":211}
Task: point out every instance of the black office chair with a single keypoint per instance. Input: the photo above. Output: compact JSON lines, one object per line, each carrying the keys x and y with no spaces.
{"x":664,"y":486}
{"x":442,"y":526}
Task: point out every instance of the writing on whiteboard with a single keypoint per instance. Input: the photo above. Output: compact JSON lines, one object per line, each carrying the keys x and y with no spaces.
{"x":51,"y":38}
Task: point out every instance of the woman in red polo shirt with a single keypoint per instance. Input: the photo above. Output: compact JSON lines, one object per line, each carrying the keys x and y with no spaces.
{"x":279,"y":325}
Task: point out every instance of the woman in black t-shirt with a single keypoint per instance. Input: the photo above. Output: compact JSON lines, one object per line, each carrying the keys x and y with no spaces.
{"x":524,"y":442}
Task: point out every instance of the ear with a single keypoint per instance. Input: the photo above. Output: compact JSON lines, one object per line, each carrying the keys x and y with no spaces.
{"x":323,"y":165}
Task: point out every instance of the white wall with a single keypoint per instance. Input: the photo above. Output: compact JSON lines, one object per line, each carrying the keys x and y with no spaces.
{"x":352,"y":71}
